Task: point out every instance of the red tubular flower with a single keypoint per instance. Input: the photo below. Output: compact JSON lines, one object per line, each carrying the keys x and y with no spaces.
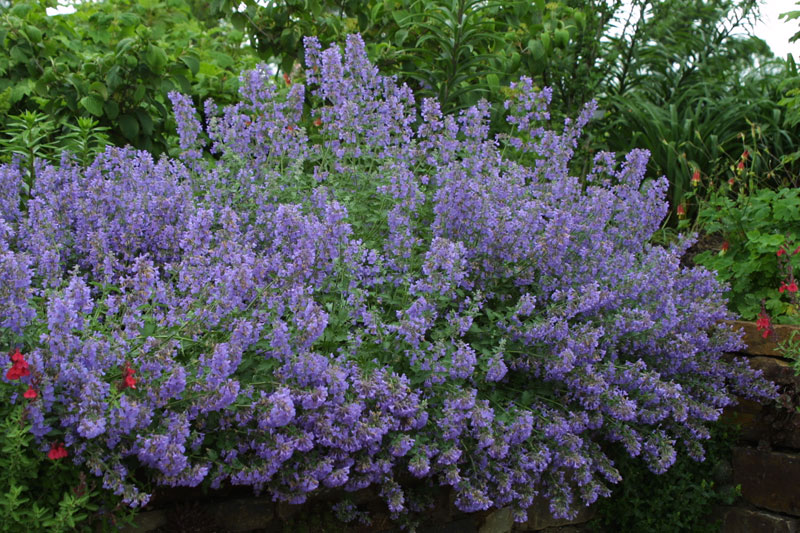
{"x":30,"y":394}
{"x":57,"y":451}
{"x":287,"y":79}
{"x":318,"y":122}
{"x":128,"y":381}
{"x":695,"y":178}
{"x":740,"y":165}
{"x":745,"y":155}
{"x":763,"y":323}
{"x":792,"y":287}
{"x":19,"y":368}
{"x":681,"y":211}
{"x":725,"y":247}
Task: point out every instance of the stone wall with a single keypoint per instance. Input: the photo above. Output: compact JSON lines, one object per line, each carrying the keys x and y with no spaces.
{"x":766,"y":462}
{"x":227,"y":513}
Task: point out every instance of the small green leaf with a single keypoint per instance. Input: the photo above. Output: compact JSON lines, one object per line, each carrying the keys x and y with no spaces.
{"x":99,"y":88}
{"x":124,"y":45}
{"x":34,"y":34}
{"x":129,"y":126}
{"x":93,"y":104}
{"x":111,"y":108}
{"x":192,"y":63}
{"x":19,"y":55}
{"x":156,"y":58}
{"x":138,"y":94}
{"x":145,"y":120}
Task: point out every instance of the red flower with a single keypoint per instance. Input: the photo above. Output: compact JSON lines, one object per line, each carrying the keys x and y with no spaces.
{"x":30,"y":394}
{"x":763,"y":323}
{"x":681,"y":211}
{"x":781,"y":252}
{"x":796,"y":250}
{"x":57,"y":451}
{"x":782,"y":287}
{"x":740,"y":165}
{"x":128,"y":381}
{"x":286,"y":79}
{"x":745,"y":155}
{"x":792,"y":287}
{"x":725,"y":246}
{"x":318,"y":122}
{"x":19,"y":368}
{"x":695,"y":178}
{"x":731,"y":182}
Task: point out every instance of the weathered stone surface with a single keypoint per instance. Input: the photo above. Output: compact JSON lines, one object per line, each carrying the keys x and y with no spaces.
{"x":244,"y":514}
{"x":769,"y":479}
{"x":778,"y":370}
{"x":749,"y":415}
{"x":147,"y":521}
{"x":775,"y":423}
{"x":539,"y":517}
{"x":756,"y":343}
{"x":738,"y":520}
{"x":499,"y":521}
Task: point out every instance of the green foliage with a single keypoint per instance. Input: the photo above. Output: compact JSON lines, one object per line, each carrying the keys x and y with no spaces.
{"x":112,"y":62}
{"x":681,"y":499}
{"x":457,"y":50}
{"x":755,"y":224}
{"x":685,"y":85}
{"x":38,"y":494}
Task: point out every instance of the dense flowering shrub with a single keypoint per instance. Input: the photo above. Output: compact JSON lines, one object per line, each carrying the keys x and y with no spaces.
{"x":386,"y":297}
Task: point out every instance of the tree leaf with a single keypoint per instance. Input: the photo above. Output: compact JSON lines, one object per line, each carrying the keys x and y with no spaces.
{"x":93,"y":104}
{"x":129,"y":126}
{"x":155,"y":58}
{"x":192,"y":63}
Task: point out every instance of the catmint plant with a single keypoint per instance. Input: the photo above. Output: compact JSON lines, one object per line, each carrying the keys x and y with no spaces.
{"x":375,"y":295}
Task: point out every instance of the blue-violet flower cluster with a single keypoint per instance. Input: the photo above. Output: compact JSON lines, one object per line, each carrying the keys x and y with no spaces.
{"x":372,"y":294}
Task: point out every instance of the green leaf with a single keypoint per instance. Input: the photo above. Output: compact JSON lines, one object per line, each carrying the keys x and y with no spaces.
{"x":138,"y":94}
{"x":192,"y":63}
{"x":34,"y":34}
{"x":99,"y":88}
{"x":145,"y":120}
{"x":129,"y":126}
{"x":93,"y":104}
{"x":124,"y":45}
{"x":155,"y":58}
{"x":111,"y":108}
{"x":19,"y":55}
{"x":223,"y":60}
